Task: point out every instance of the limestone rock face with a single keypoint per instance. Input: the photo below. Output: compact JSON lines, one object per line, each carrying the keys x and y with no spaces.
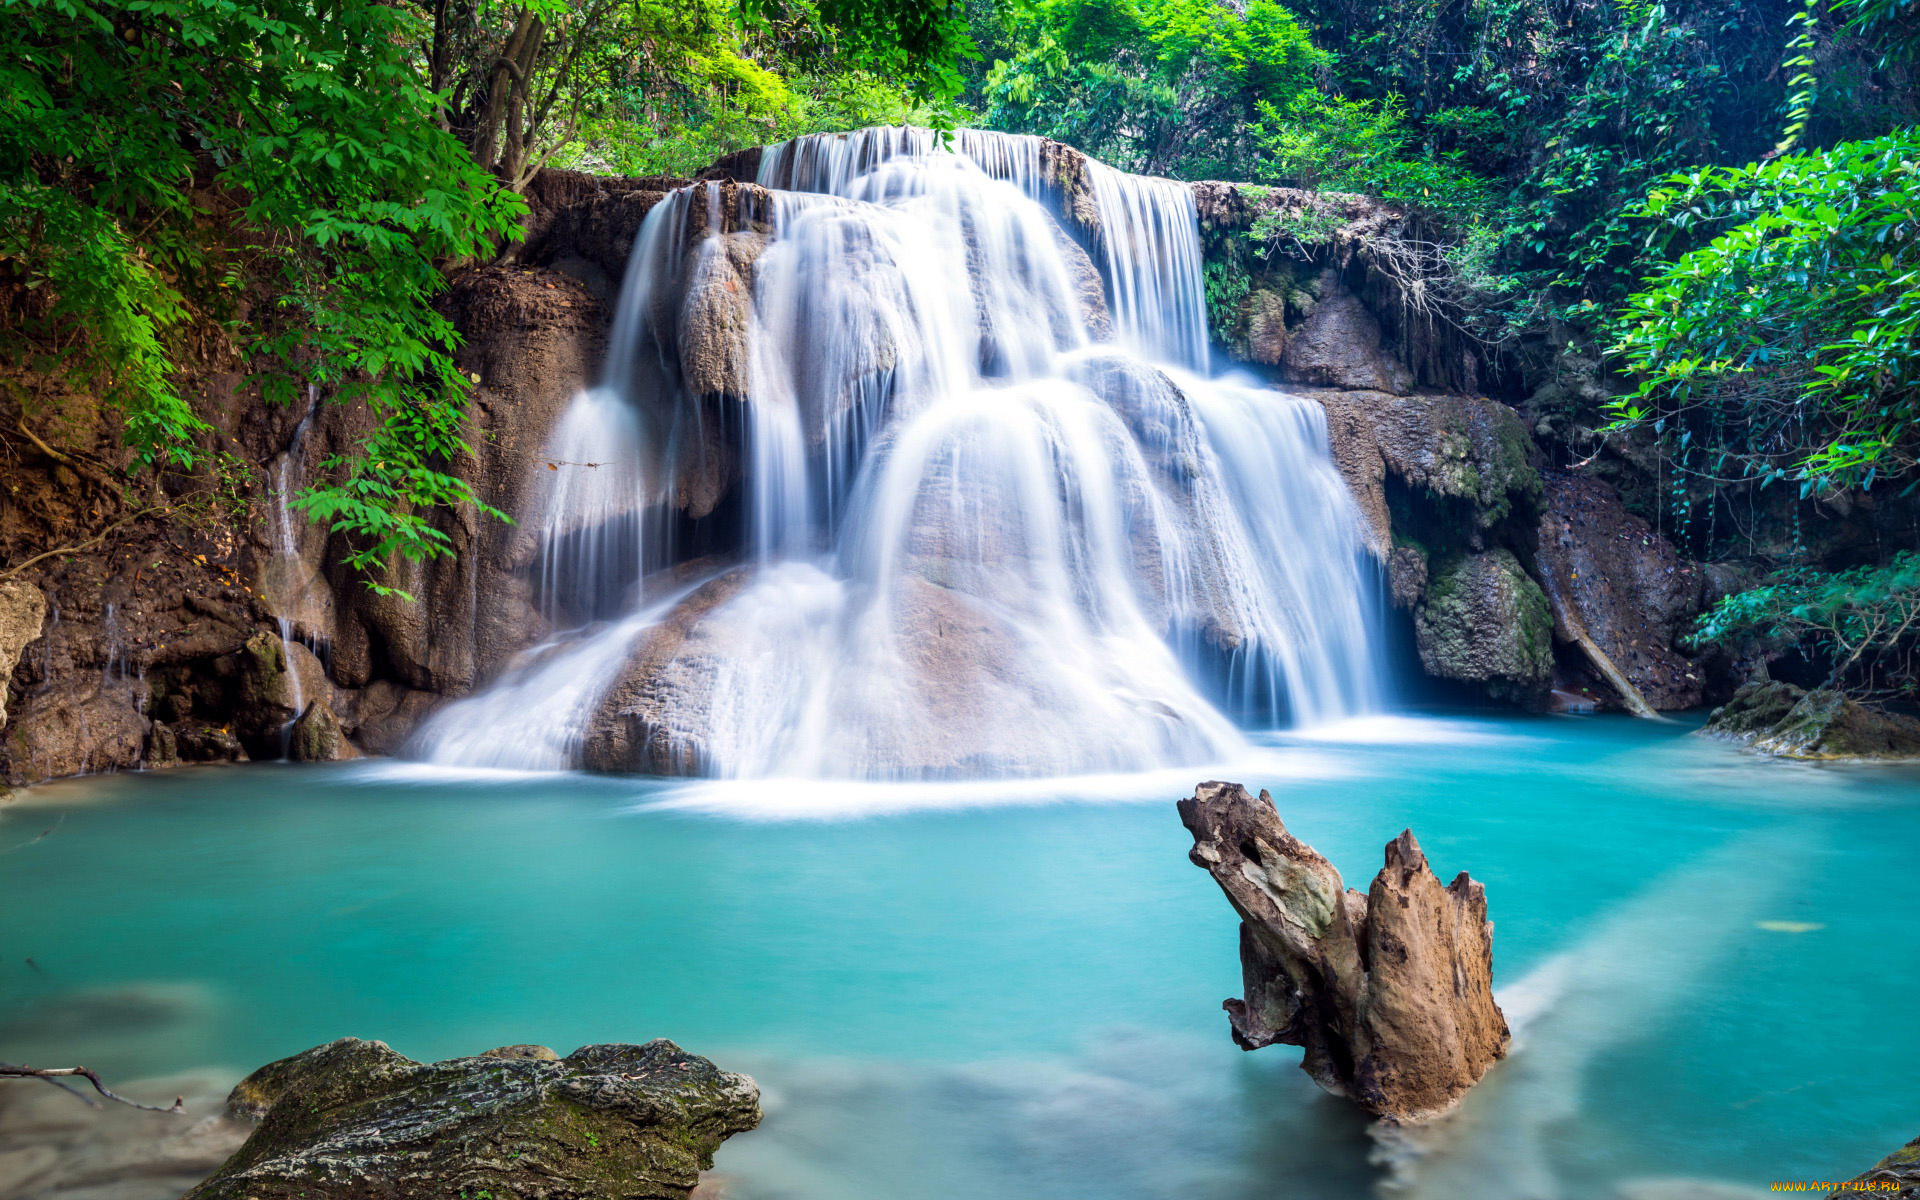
{"x":1390,"y":993}
{"x":1471,"y":455}
{"x":1406,"y":576}
{"x":1774,"y":717}
{"x":1607,"y":570}
{"x":532,"y":338}
{"x":1340,"y":345}
{"x":583,"y":225}
{"x":1484,"y":621}
{"x":353,"y":1119}
{"x":23,"y":612}
{"x":1089,"y":290}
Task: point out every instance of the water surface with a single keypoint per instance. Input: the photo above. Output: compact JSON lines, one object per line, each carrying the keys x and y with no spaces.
{"x":1012,"y":991}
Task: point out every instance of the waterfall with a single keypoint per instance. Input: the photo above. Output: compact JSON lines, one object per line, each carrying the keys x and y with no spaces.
{"x":292,"y":598}
{"x":965,"y":531}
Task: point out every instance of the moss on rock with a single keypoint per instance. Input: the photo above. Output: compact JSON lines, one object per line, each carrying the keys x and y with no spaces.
{"x":353,"y":1120}
{"x":1780,"y":719}
{"x":1483,"y":621}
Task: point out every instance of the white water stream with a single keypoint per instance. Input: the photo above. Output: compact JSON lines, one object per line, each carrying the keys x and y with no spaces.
{"x":980,"y":542}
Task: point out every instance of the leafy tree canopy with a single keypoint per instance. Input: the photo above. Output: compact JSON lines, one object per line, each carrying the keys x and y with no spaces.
{"x":1169,"y":87}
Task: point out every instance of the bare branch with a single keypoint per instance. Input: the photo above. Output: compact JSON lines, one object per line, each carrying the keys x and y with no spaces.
{"x":54,"y":1074}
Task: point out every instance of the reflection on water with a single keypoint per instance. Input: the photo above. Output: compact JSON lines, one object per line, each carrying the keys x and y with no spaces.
{"x":1013,"y":991}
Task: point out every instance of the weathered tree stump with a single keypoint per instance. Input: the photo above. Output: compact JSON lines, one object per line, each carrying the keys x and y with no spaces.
{"x":1390,"y":993}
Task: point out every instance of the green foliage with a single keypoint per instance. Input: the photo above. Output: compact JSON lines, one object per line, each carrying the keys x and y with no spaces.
{"x":1569,"y":112}
{"x":1862,"y":620}
{"x":96,"y":311}
{"x":1789,"y":344}
{"x":700,"y":86}
{"x":296,"y":178}
{"x":1329,"y":143}
{"x":718,"y":122}
{"x":1169,"y":87}
{"x":919,"y":40}
{"x":159,"y":157}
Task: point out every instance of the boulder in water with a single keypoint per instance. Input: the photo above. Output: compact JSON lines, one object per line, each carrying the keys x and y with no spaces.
{"x":1390,"y":993}
{"x":657,"y":716}
{"x":1775,"y":717}
{"x":353,"y":1119}
{"x":1482,"y":621}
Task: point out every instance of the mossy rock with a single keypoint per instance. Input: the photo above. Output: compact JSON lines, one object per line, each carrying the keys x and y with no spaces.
{"x":1783,"y":720}
{"x":1483,"y":621}
{"x":1897,"y":1176}
{"x":1753,"y":711}
{"x":353,"y":1120}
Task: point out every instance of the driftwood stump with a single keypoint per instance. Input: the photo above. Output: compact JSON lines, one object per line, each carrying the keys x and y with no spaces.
{"x":1390,"y":992}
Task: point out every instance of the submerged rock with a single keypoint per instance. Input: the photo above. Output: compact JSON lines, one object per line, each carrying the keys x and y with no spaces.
{"x":53,"y":1146}
{"x":1483,"y":621}
{"x":1390,"y":993}
{"x":1775,"y":717}
{"x":354,"y":1119}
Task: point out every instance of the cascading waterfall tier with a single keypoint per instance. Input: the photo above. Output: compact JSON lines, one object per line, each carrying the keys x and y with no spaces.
{"x":968,"y":500}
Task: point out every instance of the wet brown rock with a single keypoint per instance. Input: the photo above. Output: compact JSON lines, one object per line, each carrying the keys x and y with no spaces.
{"x":23,"y":612}
{"x":352,"y":1120}
{"x":1340,"y":345}
{"x":1625,"y":585}
{"x":91,"y":726}
{"x":1389,"y":993}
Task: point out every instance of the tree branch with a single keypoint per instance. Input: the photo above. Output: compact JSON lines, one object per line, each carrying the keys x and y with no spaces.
{"x":54,"y":1074}
{"x":89,"y":544}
